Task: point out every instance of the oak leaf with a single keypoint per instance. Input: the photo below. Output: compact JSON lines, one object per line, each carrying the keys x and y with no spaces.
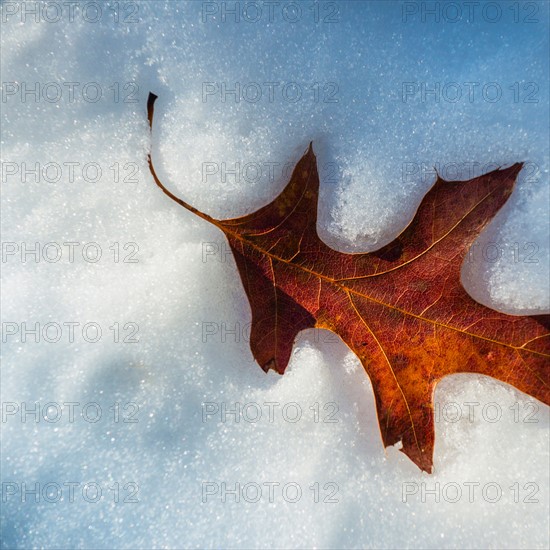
{"x":401,"y":309}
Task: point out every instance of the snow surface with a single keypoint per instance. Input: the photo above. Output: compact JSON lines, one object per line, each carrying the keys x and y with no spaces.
{"x":362,"y":142}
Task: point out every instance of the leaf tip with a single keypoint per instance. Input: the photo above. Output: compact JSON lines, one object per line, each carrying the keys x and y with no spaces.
{"x":421,"y":458}
{"x":272,"y":365}
{"x":517,"y":167}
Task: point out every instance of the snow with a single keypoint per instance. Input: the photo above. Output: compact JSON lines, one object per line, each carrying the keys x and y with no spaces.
{"x":375,"y":149}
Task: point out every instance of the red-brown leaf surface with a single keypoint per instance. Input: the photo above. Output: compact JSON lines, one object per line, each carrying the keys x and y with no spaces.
{"x":401,"y":309}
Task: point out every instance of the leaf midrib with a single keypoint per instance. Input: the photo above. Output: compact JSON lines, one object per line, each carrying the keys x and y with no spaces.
{"x":335,"y":282}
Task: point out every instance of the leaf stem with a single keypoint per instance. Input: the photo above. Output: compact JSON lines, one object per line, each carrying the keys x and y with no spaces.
{"x":150,"y":111}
